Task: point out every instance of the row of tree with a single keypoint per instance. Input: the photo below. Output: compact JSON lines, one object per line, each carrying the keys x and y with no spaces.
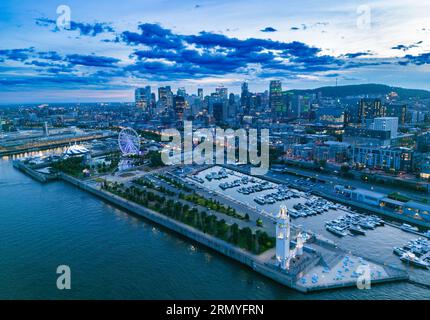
{"x":213,"y":205}
{"x":257,"y":242}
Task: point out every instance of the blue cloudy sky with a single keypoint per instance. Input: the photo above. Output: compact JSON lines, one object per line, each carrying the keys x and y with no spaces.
{"x":111,"y":47}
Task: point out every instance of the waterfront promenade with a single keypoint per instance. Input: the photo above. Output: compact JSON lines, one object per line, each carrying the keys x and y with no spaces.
{"x":263,"y":264}
{"x":321,"y":255}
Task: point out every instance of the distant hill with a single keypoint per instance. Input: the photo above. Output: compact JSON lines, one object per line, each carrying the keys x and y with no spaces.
{"x":366,"y":89}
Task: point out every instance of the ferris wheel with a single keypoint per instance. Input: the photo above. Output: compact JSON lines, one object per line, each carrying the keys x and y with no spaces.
{"x":129,"y":141}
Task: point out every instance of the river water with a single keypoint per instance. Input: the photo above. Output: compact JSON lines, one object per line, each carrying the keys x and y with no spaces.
{"x":113,"y":255}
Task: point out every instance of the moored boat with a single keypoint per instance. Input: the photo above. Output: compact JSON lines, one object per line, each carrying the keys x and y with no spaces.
{"x":336,"y":230}
{"x":408,"y":228}
{"x":356,"y":230}
{"x":409,"y":257}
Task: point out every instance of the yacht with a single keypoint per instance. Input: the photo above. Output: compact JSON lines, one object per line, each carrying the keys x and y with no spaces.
{"x":366,"y":225}
{"x":260,"y":201}
{"x":399,"y":251}
{"x":408,"y":228}
{"x":409,"y":257}
{"x":293,"y":213}
{"x":336,"y":230}
{"x":356,"y":230}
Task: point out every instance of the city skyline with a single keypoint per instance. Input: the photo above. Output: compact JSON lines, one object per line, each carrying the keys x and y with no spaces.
{"x":106,"y":51}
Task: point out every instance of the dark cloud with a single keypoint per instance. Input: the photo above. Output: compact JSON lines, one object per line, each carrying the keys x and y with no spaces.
{"x":91,"y":60}
{"x":418,"y":60}
{"x":57,"y":81}
{"x":309,"y":26}
{"x":85,"y":29}
{"x":208,"y":53}
{"x":16,"y":54}
{"x":404,"y":47}
{"x":268,"y":29}
{"x":153,"y":35}
{"x":161,"y":54}
{"x":50,"y":55}
{"x":356,"y":55}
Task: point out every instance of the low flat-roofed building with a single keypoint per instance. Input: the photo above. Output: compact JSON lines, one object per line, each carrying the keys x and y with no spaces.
{"x":398,"y":159}
{"x":361,"y":195}
{"x":367,"y":196}
{"x":391,"y":204}
{"x":418,"y":210}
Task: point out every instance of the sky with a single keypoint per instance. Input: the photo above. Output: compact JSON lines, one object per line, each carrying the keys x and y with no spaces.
{"x":98,"y":51}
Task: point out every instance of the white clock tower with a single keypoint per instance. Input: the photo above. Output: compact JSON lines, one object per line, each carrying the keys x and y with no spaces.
{"x":283,"y":239}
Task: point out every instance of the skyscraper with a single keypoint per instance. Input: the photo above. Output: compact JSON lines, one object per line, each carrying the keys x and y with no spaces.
{"x":142,"y":98}
{"x":276,"y":98}
{"x":200,"y":93}
{"x":220,"y":112}
{"x":245,"y":98}
{"x":181,"y":92}
{"x":179,"y":106}
{"x":397,"y":110}
{"x":232,"y":105}
{"x":222,"y":93}
{"x":165,"y":96}
{"x":370,"y":109}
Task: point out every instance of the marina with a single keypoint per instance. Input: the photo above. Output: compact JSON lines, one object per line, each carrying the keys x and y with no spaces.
{"x":365,"y":234}
{"x":356,"y":224}
{"x":416,"y":252}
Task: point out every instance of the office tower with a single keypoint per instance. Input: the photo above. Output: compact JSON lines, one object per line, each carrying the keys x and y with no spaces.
{"x":276,"y":98}
{"x":165,"y":96}
{"x":231,"y":99}
{"x":244,"y":98}
{"x":179,"y":106}
{"x":387,"y":124}
{"x":232,"y":110}
{"x":369,"y":109}
{"x":143,"y":98}
{"x":298,"y":105}
{"x":222,"y":93}
{"x":220,"y":112}
{"x":397,"y":110}
{"x":181,"y":92}
{"x":200,"y":93}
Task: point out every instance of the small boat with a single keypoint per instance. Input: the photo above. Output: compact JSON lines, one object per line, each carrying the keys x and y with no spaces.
{"x":408,"y":228}
{"x":409,"y":257}
{"x":356,"y":230}
{"x":399,"y":251}
{"x":366,"y":225}
{"x":293,"y":213}
{"x":335,"y":230}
